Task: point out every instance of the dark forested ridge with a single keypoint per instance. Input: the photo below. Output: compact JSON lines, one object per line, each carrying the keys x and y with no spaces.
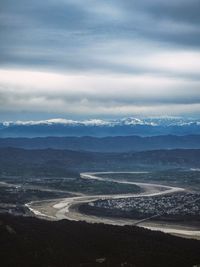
{"x":15,"y":161}
{"x":33,"y":242}
{"x":105,"y":144}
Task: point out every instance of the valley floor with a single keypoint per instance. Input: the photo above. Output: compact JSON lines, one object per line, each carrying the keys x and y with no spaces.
{"x":69,"y":208}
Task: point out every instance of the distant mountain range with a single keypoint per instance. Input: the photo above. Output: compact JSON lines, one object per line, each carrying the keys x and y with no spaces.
{"x":100,"y":128}
{"x":105,"y":144}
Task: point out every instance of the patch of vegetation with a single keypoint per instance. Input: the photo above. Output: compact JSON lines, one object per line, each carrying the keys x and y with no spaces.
{"x":183,"y":178}
{"x":20,"y":195}
{"x":74,"y":185}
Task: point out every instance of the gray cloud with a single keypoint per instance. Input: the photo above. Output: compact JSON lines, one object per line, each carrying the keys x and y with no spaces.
{"x":71,"y":26}
{"x":158,"y":39}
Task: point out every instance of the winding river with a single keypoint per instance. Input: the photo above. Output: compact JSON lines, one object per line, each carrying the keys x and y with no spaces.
{"x":67,"y":208}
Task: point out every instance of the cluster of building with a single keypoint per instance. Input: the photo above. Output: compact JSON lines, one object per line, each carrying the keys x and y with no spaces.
{"x":174,"y":204}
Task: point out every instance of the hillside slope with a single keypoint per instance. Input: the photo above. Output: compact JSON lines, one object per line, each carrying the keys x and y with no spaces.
{"x":33,"y":242}
{"x":106,"y":144}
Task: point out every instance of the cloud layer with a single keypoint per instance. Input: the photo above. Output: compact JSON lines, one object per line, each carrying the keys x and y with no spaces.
{"x":100,"y":58}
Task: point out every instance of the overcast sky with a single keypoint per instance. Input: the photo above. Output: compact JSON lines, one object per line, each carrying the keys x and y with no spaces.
{"x":99,"y":58}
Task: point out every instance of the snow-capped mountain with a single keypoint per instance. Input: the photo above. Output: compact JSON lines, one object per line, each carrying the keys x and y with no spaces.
{"x":99,"y":122}
{"x":98,"y":127}
{"x":92,"y":122}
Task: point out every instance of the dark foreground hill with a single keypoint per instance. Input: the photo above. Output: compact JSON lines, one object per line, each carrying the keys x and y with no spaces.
{"x":105,"y":144}
{"x":32,"y":242}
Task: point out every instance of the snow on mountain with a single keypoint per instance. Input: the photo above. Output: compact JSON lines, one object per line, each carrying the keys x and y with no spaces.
{"x":130,"y":121}
{"x":92,"y":122}
{"x":61,"y":121}
{"x":40,"y":122}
